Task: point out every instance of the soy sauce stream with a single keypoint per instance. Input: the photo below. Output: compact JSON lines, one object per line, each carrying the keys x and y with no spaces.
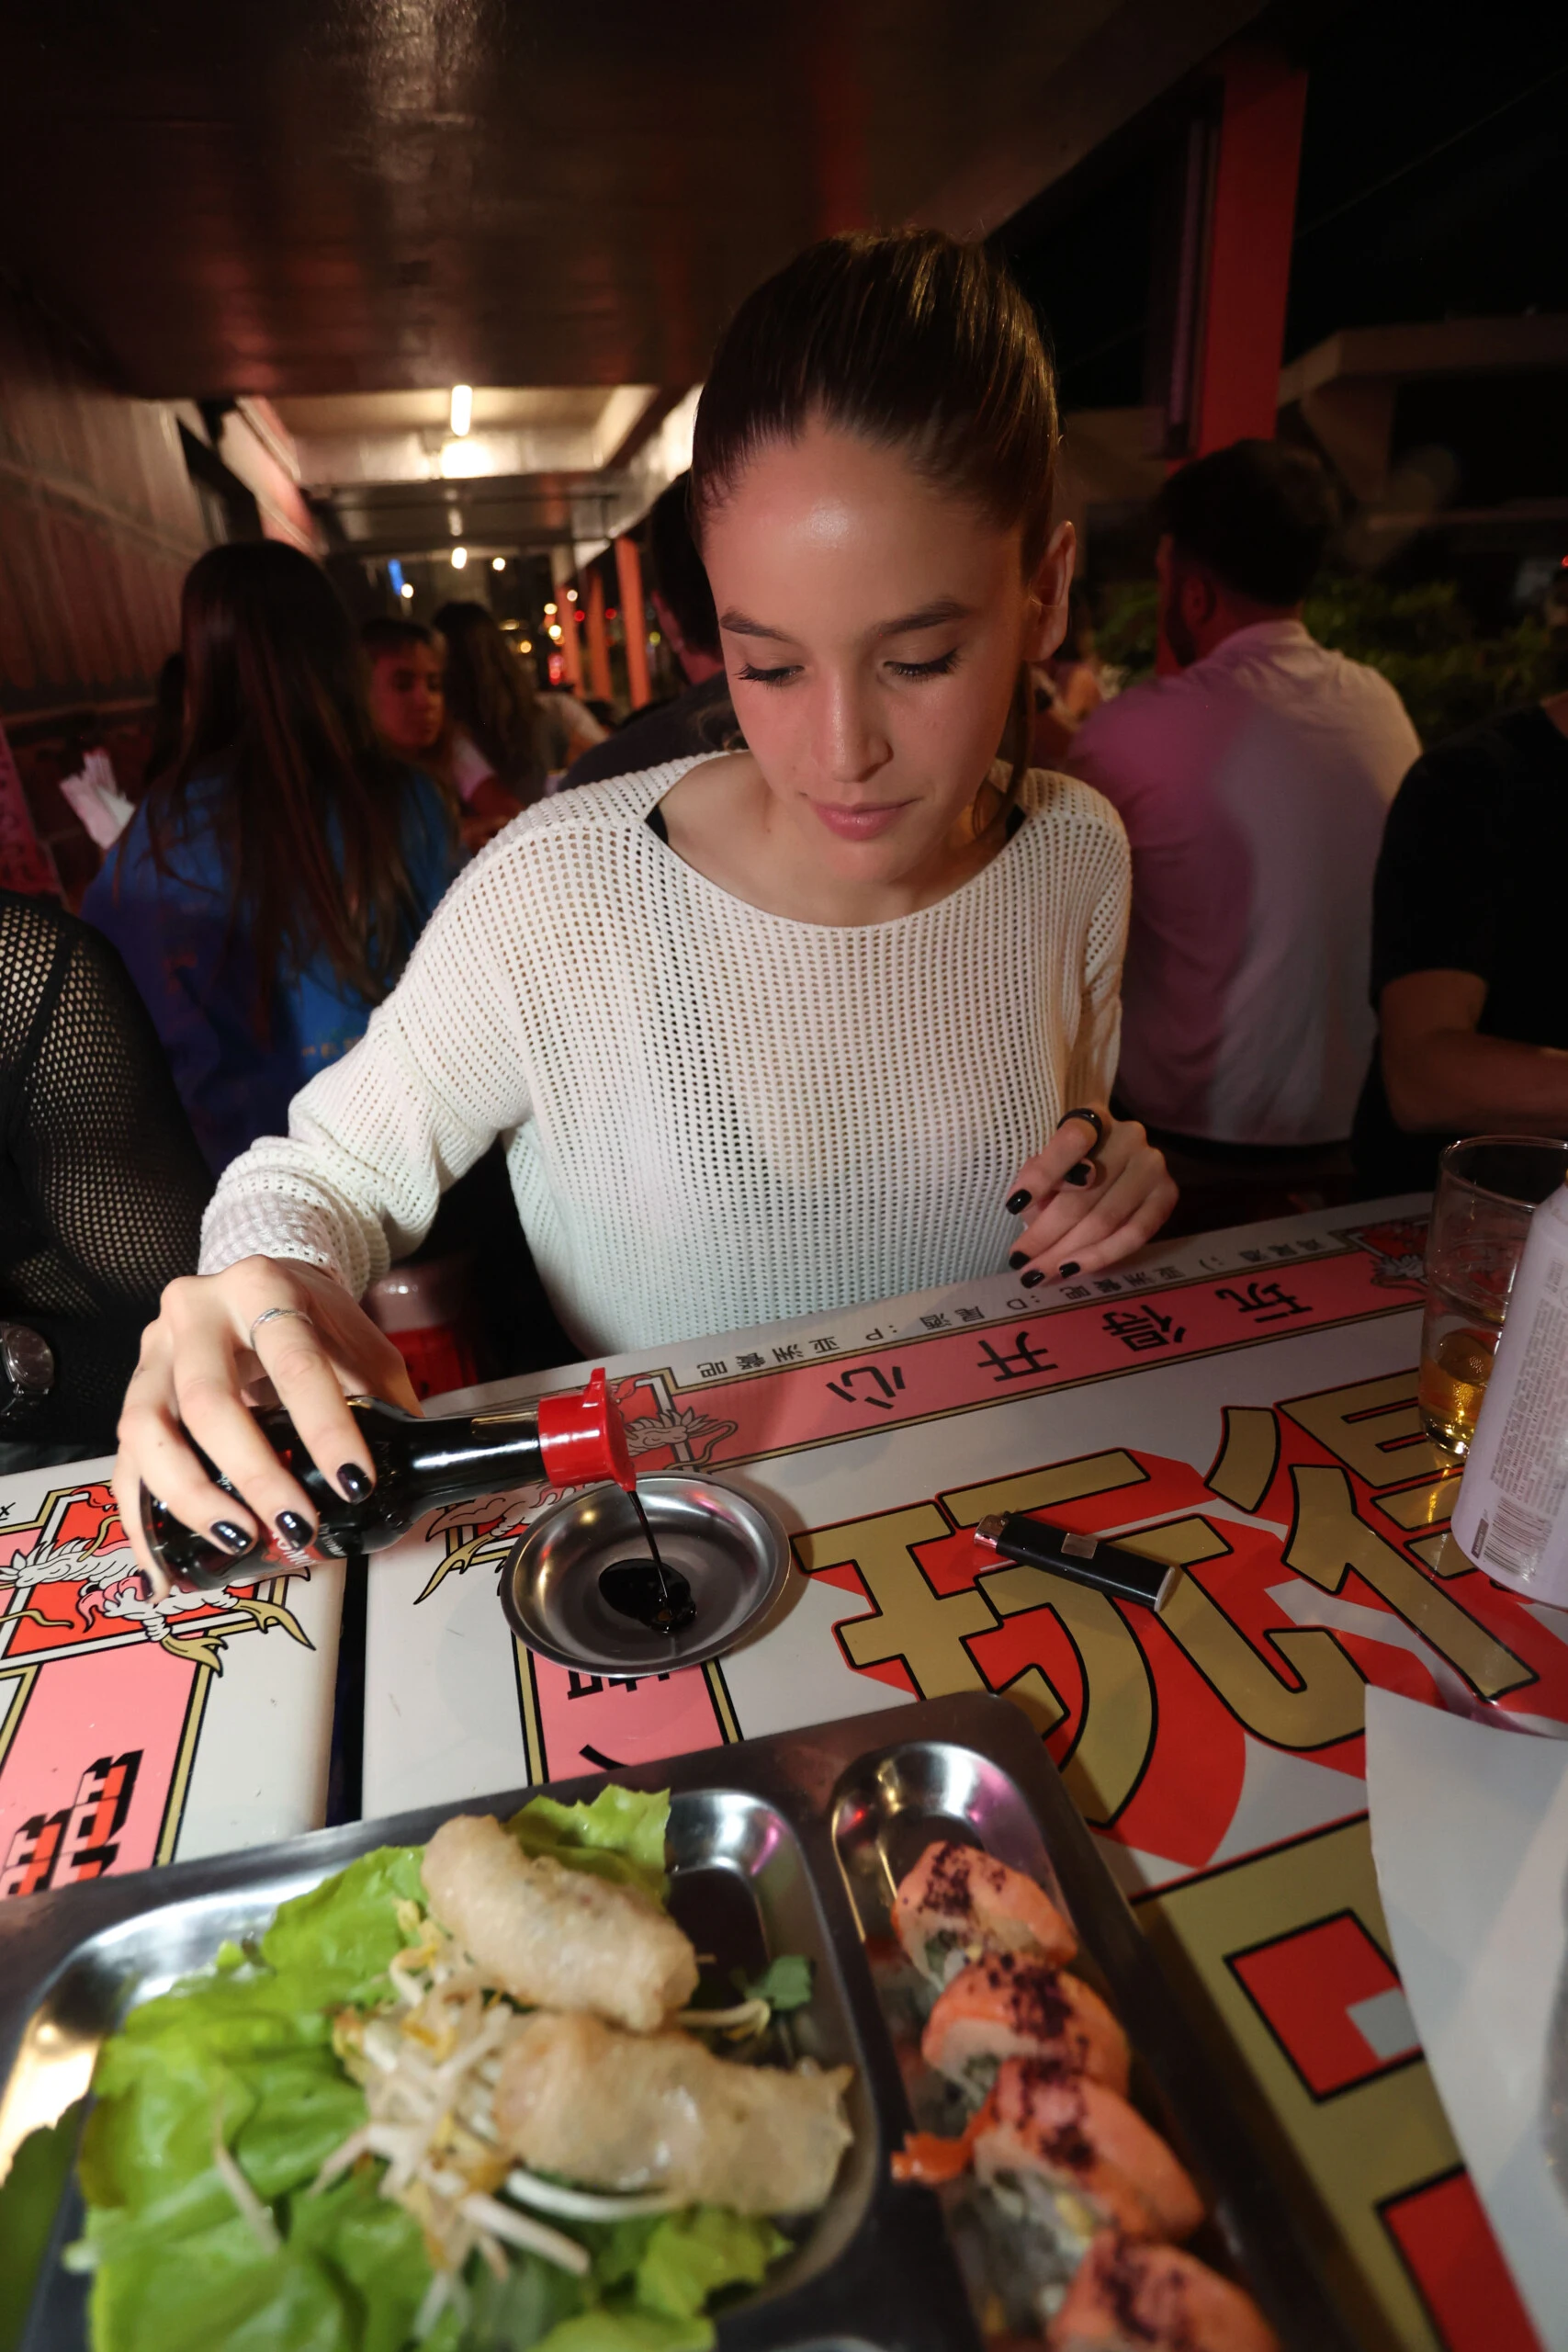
{"x":654,"y":1596}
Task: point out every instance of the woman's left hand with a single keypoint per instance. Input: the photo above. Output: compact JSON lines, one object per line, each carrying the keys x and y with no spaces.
{"x":1080,"y":1213}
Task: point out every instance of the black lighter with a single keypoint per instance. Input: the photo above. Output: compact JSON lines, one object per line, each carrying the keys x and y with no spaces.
{"x":1088,"y":1559}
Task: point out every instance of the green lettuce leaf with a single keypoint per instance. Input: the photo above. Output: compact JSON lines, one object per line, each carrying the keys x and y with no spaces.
{"x":332,"y":1945}
{"x":690,"y":2255}
{"x":619,"y":1835}
{"x":28,"y":2197}
{"x":607,"y":2330}
{"x":784,"y":1983}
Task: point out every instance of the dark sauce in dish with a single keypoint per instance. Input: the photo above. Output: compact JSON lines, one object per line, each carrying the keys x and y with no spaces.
{"x":647,"y":1590}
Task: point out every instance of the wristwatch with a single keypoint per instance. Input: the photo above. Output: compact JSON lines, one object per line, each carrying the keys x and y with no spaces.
{"x":27,"y":1370}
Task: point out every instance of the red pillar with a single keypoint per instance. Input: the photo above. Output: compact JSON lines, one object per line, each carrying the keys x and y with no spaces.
{"x":634,"y":620}
{"x":598,"y":643}
{"x":1256,"y":160}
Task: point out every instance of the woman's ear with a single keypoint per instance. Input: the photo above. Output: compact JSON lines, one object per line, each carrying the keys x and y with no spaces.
{"x":1048,"y":595}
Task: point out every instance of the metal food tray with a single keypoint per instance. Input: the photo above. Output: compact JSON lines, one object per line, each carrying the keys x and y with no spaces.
{"x":785,"y":1844}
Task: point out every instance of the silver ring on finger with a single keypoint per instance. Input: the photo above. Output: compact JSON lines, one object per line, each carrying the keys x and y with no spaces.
{"x":273,"y":1315}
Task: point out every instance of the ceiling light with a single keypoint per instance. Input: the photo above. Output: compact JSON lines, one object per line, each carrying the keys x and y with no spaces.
{"x":407,"y":589}
{"x":459,"y":558}
{"x":497,"y":563}
{"x":462,"y":408}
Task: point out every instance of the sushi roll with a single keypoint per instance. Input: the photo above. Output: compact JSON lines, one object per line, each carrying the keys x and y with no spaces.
{"x":1129,"y":2297}
{"x":1077,"y":2136}
{"x":1042,"y":2127}
{"x":957,"y":1905}
{"x":1006,"y":2006}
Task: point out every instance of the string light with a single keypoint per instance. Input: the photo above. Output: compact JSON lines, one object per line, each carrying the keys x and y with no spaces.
{"x":549,"y":608}
{"x":406,"y":590}
{"x":571,"y":595}
{"x":459,"y":558}
{"x":555,"y":631}
{"x":525,"y":644}
{"x":497,"y":563}
{"x":462,"y":408}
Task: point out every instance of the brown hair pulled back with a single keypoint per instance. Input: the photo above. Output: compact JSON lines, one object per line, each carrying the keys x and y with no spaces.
{"x":912,"y":341}
{"x":309,"y":808}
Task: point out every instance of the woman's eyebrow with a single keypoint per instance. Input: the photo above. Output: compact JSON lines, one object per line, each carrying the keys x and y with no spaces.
{"x":932,"y":615}
{"x":741,"y":625}
{"x":943,"y":609}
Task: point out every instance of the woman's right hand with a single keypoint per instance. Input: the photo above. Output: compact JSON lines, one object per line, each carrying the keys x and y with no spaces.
{"x":207,"y":1358}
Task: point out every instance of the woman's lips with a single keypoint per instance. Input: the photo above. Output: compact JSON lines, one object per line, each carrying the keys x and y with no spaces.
{"x":860,"y":821}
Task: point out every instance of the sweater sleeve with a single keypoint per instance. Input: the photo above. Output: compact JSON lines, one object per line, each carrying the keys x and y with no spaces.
{"x":1091,"y":1067}
{"x":377,"y":1138}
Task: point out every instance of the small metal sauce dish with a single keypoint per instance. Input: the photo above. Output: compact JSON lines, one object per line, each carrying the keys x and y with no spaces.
{"x":730,"y":1549}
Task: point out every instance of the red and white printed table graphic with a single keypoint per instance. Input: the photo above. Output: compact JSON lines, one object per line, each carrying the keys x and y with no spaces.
{"x":1242,"y":1403}
{"x":134,"y":1731}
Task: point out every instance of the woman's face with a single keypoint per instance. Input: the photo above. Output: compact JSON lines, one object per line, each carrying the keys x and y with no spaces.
{"x":406,"y":699}
{"x":872,"y":629}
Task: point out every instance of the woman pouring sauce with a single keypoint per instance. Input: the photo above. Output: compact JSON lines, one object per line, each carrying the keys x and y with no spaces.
{"x":820,"y":1020}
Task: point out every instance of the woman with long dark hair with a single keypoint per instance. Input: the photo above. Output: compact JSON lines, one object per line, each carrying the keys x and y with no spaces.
{"x":506,"y":740}
{"x":268,"y":892}
{"x":824,"y":1020}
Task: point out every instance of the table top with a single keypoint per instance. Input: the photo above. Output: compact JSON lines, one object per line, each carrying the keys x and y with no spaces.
{"x":1242,"y":1403}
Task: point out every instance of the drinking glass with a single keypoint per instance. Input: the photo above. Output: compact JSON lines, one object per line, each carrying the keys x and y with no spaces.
{"x":1487,"y":1187}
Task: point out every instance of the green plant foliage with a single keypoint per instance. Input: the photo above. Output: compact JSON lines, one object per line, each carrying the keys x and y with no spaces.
{"x":1423,"y":639}
{"x":1426,"y":645}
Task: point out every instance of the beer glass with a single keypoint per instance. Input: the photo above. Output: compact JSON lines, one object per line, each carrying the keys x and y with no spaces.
{"x":1487,"y":1186}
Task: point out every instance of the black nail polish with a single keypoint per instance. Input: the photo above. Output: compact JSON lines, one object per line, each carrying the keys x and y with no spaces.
{"x":231,"y":1535}
{"x":296,"y":1528}
{"x":1028,"y":1281}
{"x":1020,"y":1200}
{"x":1068,"y":1270}
{"x":1019,"y":1258}
{"x":1082,"y":1174}
{"x":354,"y":1482}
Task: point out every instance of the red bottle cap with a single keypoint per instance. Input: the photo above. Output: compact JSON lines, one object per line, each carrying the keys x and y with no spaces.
{"x":582,"y":1439}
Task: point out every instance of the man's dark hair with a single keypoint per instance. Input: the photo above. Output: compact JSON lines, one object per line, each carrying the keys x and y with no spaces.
{"x":385,"y":635}
{"x":1257,"y":516}
{"x":678,"y":571}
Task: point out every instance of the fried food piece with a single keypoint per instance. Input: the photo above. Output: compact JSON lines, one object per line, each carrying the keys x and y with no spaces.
{"x":623,"y":2111}
{"x":1078,"y":2135}
{"x":1129,"y":2297}
{"x":957,"y":1905}
{"x":554,"y":1937}
{"x":1004,"y":2007}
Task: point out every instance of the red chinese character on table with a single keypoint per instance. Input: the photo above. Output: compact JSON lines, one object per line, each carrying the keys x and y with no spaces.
{"x":77,"y":1842}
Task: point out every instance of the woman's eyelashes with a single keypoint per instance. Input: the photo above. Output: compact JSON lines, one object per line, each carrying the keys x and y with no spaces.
{"x":937,"y":669}
{"x":787,"y":672}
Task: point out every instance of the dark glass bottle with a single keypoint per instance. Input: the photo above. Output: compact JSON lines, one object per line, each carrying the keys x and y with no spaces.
{"x":419,"y":1465}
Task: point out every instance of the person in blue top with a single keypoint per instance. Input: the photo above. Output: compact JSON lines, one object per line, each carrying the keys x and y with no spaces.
{"x":270,"y":889}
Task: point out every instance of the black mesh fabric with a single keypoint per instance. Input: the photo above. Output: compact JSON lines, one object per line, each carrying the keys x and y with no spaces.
{"x":102,"y":1186}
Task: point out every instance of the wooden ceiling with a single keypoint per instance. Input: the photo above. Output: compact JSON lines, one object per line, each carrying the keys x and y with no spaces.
{"x":315,"y":196}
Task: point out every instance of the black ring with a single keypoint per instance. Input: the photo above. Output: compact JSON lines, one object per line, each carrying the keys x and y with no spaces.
{"x":1091,"y":1118}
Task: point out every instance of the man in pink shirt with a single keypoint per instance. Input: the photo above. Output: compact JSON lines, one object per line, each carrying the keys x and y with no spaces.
{"x":1253,"y":782}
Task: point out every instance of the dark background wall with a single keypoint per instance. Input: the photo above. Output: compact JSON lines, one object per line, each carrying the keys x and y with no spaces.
{"x":98,"y":524}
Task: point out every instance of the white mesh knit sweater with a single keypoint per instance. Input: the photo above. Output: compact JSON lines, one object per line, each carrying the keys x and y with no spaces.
{"x":713,"y":1116}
